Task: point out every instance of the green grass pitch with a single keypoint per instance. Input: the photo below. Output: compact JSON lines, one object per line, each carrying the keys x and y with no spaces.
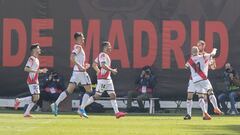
{"x":46,"y":124}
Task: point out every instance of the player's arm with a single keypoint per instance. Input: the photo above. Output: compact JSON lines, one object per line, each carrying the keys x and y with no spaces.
{"x":95,"y":67}
{"x":213,"y":64}
{"x":106,"y":67}
{"x":213,"y":53}
{"x":186,"y":66}
{"x":30,"y":70}
{"x":73,"y":60}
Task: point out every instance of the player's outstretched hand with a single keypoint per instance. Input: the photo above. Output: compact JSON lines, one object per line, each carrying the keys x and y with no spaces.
{"x":114,"y":71}
{"x":214,"y":51}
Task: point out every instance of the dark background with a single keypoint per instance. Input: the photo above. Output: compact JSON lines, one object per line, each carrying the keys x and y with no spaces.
{"x":172,"y":83}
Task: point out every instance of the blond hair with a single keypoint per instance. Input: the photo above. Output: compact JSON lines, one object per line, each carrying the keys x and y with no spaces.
{"x":194,"y":51}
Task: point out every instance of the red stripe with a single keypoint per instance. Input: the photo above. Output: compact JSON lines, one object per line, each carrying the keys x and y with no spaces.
{"x":34,"y":80}
{"x":200,"y":72}
{"x":105,"y":76}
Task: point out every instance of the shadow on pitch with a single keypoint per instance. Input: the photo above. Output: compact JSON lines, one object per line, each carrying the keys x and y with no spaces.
{"x":210,"y":129}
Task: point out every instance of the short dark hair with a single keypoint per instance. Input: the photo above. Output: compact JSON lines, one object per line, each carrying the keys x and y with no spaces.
{"x":105,"y":43}
{"x":33,"y":46}
{"x":202,"y":42}
{"x":78,"y":34}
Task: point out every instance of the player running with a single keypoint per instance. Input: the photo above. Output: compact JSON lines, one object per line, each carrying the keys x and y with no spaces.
{"x":104,"y":81}
{"x":32,"y":67}
{"x":79,"y":74}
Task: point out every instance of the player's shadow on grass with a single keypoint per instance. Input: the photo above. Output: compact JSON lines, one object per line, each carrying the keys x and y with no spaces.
{"x":59,"y":117}
{"x":211,"y":129}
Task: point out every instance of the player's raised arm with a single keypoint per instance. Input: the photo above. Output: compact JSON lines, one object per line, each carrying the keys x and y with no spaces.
{"x":212,"y":64}
{"x":213,"y":53}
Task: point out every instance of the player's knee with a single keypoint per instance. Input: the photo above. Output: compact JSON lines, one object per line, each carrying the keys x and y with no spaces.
{"x":89,"y":93}
{"x":68,"y":92}
{"x":200,"y":95}
{"x":96,"y":96}
{"x":35,"y":98}
{"x":112,"y":96}
{"x":71,"y":87}
{"x":210,"y":92}
{"x":190,"y":97}
{"x":88,"y":88}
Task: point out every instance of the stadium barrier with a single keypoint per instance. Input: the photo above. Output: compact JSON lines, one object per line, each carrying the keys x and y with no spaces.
{"x":71,"y":104}
{"x":120,"y":101}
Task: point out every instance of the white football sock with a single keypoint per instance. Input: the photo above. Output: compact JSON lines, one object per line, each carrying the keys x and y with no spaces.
{"x":89,"y":101}
{"x":189,"y":107}
{"x":213,"y":100}
{"x":84,"y":100}
{"x":206,"y":105}
{"x":26,"y":100}
{"x":202,"y":104}
{"x":62,"y":96}
{"x":114,"y":105}
{"x":29,"y":108}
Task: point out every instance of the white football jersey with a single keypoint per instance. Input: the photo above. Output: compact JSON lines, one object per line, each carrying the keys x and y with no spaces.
{"x":103,"y":58}
{"x":199,"y":66}
{"x":79,"y":56}
{"x":32,"y":63}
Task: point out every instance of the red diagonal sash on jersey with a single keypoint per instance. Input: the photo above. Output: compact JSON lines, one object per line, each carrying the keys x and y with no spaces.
{"x":199,"y":72}
{"x":104,"y":76}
